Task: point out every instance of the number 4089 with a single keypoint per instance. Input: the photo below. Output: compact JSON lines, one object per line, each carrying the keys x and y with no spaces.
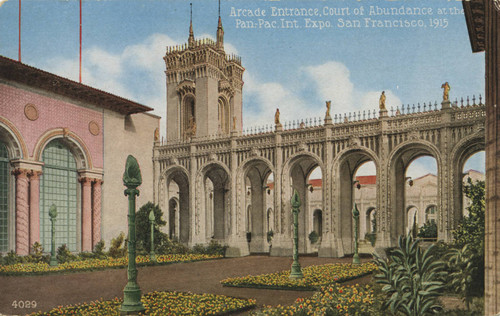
{"x":24,"y":304}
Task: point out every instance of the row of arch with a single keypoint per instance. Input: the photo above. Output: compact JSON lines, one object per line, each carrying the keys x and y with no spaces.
{"x":30,"y":185}
{"x":226,"y":208}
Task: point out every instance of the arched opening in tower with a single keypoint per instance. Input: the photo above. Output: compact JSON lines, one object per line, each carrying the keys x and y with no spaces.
{"x":217,"y":200}
{"x":356,"y":179}
{"x":259,"y":201}
{"x":178,"y":217}
{"x":306,"y":178}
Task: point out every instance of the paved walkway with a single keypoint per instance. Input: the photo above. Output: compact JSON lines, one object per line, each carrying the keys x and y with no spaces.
{"x":198,"y":277}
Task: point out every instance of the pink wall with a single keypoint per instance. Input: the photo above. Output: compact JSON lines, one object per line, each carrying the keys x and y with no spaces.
{"x":52,"y":114}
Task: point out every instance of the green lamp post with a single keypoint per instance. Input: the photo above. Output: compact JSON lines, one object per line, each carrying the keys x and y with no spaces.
{"x":131,"y":293}
{"x":355,"y":216}
{"x":296,"y":271}
{"x":152,"y":255}
{"x":53,"y":215}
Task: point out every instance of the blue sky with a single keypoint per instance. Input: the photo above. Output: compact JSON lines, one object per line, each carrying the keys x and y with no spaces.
{"x":295,"y":69}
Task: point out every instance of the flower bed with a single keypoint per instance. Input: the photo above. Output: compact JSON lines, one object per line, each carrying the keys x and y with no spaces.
{"x":314,"y":277}
{"x":331,"y":300}
{"x":162,"y":303}
{"x":98,"y":264}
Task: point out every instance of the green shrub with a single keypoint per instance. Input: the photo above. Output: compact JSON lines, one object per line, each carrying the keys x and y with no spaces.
{"x":169,"y":246}
{"x":11,"y":258}
{"x":464,"y":270}
{"x":313,"y":237}
{"x":37,"y":255}
{"x":214,"y":248}
{"x":64,"y":255}
{"x":429,"y":230}
{"x":412,"y":278}
{"x":116,"y":250}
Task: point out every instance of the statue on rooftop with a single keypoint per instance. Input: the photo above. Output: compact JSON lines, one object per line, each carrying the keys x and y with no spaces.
{"x":381,"y":101}
{"x":446,"y":91}
{"x":277,"y":117}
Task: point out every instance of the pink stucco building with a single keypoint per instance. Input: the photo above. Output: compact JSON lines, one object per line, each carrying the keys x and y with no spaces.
{"x":65,"y":143}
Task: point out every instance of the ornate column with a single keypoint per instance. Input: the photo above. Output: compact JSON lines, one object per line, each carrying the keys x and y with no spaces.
{"x":86,"y":213}
{"x":34,"y":214}
{"x":96,"y":211}
{"x":22,"y":212}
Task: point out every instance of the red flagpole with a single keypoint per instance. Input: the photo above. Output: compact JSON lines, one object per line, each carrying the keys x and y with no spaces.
{"x":19,"y":55}
{"x":80,"y":41}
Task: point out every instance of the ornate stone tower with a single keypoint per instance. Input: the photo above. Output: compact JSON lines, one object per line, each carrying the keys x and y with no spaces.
{"x":204,"y":88}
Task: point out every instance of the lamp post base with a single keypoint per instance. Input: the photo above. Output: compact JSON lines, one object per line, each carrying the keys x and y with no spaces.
{"x":131,"y":300}
{"x":296,"y":271}
{"x":355,"y":259}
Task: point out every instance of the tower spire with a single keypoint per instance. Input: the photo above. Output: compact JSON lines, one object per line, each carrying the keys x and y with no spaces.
{"x":220,"y":33}
{"x":191,"y":33}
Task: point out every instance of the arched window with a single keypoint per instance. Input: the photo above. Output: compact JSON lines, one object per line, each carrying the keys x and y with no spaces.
{"x":224,"y":116}
{"x":431,"y":213}
{"x":58,"y":185}
{"x":4,"y":198}
{"x":189,"y":115}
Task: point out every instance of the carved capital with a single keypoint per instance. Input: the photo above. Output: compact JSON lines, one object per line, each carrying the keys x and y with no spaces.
{"x":20,"y":173}
{"x":85,"y":181}
{"x":34,"y":175}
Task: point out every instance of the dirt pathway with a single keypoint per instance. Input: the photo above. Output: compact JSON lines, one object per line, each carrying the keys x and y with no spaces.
{"x":49,"y":291}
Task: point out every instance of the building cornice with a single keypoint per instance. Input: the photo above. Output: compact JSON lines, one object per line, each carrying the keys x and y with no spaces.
{"x":12,"y":70}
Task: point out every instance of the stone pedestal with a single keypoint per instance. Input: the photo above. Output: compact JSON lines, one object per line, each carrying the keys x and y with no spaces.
{"x":282,"y":246}
{"x":278,"y":127}
{"x":238,"y":247}
{"x":328,"y":120}
{"x":383,"y":113}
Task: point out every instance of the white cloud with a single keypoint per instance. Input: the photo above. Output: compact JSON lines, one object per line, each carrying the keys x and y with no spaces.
{"x":332,"y":81}
{"x":149,"y":53}
{"x":265,"y":98}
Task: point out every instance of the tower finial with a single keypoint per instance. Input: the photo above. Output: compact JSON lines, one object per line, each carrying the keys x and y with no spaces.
{"x":220,"y":33}
{"x":191,"y":33}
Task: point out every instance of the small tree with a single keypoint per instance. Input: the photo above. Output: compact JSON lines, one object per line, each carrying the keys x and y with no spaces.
{"x":143,"y":227}
{"x":470,"y":233}
{"x":411,"y":279}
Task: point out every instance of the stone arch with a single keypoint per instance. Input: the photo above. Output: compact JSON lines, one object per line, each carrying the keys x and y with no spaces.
{"x":461,"y":152}
{"x":219,"y":175}
{"x":399,"y":160}
{"x":345,"y":165}
{"x":74,"y":143}
{"x":13,"y":139}
{"x":255,"y":172}
{"x":182,"y":224}
{"x":294,"y":175}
